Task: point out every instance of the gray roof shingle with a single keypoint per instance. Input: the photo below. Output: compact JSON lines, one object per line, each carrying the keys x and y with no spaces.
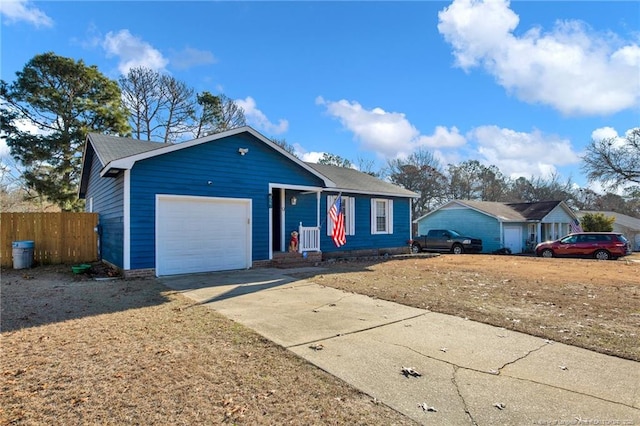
{"x":514,"y":211}
{"x":348,"y":179}
{"x":499,"y":210}
{"x":109,"y":148}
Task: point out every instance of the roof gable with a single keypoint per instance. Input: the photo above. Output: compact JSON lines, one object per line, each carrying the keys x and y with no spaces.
{"x":122,"y":153}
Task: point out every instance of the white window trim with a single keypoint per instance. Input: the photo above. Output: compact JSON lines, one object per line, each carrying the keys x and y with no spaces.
{"x":388,"y":206}
{"x":349,"y":208}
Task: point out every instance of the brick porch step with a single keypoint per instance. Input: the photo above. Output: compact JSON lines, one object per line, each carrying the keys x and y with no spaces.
{"x":293,"y":260}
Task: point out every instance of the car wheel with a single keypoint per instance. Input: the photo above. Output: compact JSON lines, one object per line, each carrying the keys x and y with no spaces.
{"x":602,"y":255}
{"x":547,"y":253}
{"x":415,"y":248}
{"x":457,"y":249}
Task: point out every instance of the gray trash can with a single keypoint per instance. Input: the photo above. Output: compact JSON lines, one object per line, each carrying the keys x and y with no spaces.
{"x":22,"y":254}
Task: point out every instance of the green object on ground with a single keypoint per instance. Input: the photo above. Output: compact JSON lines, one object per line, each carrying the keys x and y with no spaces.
{"x":79,"y":269}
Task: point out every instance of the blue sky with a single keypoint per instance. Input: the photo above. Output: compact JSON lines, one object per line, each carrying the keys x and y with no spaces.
{"x":520,"y":85}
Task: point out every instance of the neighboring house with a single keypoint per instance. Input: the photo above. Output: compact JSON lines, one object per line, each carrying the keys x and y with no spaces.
{"x":627,"y":225}
{"x":517,"y":226}
{"x":228,"y":201}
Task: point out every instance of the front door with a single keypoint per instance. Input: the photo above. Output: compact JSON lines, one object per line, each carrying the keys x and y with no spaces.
{"x":276,"y":220}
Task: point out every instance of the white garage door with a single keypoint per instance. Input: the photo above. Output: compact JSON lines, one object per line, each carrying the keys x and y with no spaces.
{"x":513,"y":238}
{"x":202,"y":234}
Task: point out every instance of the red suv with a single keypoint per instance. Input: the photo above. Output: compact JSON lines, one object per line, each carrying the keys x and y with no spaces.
{"x":598,"y":245}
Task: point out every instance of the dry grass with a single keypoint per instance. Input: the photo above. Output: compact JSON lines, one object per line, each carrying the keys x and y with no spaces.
{"x":581,"y":302}
{"x":78,"y":351}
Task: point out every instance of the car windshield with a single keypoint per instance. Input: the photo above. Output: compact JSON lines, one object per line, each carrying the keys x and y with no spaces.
{"x":455,"y":234}
{"x":623,"y":238}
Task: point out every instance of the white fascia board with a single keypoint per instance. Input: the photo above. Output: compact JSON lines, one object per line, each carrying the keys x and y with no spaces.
{"x":295,"y":187}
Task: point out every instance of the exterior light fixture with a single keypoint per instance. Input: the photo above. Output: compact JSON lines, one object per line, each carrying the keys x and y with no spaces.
{"x":294,"y":201}
{"x":243,"y":151}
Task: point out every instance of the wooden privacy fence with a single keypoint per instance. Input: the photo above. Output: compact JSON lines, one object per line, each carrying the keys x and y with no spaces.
{"x":59,"y":237}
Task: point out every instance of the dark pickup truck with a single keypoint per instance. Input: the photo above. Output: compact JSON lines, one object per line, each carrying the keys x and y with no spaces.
{"x":445,"y":240}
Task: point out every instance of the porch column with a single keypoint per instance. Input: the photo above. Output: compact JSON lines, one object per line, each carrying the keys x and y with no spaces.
{"x":539,"y":233}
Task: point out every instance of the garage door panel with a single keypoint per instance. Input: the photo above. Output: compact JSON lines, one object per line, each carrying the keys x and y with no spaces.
{"x":202,"y":234}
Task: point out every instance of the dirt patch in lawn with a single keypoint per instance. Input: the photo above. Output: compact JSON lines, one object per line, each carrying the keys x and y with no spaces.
{"x":80,"y":351}
{"x":582,"y":302}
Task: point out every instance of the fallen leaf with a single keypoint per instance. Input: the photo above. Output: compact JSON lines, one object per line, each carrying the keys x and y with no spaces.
{"x":500,"y":405}
{"x":425,"y":407}
{"x":409,"y":371}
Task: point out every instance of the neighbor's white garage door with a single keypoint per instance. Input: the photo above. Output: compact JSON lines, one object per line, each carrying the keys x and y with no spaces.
{"x":202,"y":234}
{"x":513,"y":238}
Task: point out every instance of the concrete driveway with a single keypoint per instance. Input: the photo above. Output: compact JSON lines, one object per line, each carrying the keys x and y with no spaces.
{"x":470,"y":373}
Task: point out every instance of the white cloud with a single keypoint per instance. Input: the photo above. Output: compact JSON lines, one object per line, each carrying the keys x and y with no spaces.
{"x":22,"y":10}
{"x":258,"y":119}
{"x":611,"y":134}
{"x":522,"y":154}
{"x":571,"y":68}
{"x":443,"y":138}
{"x":388,"y":134}
{"x":132,"y":52}
{"x":311,"y":157}
{"x":190,"y":57}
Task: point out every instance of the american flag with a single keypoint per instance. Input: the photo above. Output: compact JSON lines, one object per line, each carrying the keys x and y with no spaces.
{"x":575,"y":226}
{"x":337,"y":218}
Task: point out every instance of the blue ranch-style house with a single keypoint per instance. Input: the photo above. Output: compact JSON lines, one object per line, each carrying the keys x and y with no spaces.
{"x":516,"y":226}
{"x":229,"y":201}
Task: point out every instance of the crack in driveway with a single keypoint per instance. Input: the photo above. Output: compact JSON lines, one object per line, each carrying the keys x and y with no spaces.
{"x":464,"y":402}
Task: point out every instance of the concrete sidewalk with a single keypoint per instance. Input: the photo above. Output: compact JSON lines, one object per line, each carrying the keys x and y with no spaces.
{"x":471,"y":373}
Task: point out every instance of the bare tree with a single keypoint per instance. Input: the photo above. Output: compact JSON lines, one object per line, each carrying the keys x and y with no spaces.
{"x":161,"y":107}
{"x":471,"y":180}
{"x":141,"y":96}
{"x":421,"y":173}
{"x":282,"y":143}
{"x":367,"y":166}
{"x":229,"y":115}
{"x":614,"y":162}
{"x":179,"y":108}
{"x":541,"y":189}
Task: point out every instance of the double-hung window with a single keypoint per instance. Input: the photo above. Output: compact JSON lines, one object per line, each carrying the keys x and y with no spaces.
{"x":349,"y":210}
{"x":381,"y":216}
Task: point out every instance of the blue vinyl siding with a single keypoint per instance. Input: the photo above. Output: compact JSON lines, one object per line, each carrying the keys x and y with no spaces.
{"x":187,"y":172}
{"x":108,"y":196}
{"x":466,"y":221}
{"x":304,"y":211}
{"x":363,"y":239}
